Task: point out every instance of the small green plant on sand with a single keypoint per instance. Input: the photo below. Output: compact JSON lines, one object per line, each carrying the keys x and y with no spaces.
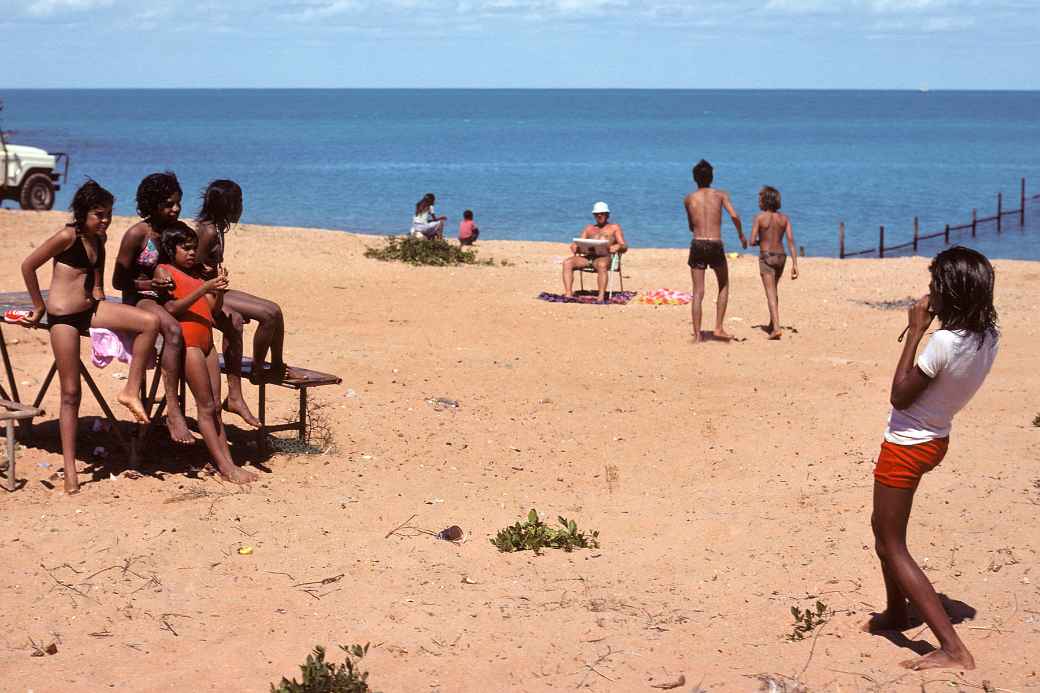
{"x":424,"y":251}
{"x":805,"y":622}
{"x":320,"y":676}
{"x":535,"y":535}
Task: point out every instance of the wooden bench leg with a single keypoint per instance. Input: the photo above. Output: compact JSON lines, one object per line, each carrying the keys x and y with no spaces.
{"x":261,"y":434}
{"x":7,"y":368}
{"x":10,"y":480}
{"x":303,"y":415}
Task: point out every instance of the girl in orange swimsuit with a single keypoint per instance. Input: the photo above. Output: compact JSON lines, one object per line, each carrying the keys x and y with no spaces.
{"x":193,"y":304}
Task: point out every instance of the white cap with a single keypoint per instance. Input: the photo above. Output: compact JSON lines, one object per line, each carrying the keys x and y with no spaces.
{"x":600,"y":208}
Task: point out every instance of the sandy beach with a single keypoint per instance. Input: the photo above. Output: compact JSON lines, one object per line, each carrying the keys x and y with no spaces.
{"x":729,"y":483}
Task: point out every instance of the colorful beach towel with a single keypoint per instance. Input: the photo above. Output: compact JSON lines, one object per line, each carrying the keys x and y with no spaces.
{"x":106,"y":346}
{"x":665,"y":297}
{"x":619,"y":298}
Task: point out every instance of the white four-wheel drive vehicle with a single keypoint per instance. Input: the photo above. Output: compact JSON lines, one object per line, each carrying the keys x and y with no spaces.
{"x":30,"y":175}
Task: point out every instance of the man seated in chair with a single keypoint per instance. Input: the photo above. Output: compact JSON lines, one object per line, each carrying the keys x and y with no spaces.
{"x":598,"y":257}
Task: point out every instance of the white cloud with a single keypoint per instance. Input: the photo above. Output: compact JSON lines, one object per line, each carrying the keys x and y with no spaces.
{"x":48,"y":8}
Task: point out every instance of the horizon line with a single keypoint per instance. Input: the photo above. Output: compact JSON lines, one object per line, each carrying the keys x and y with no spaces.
{"x":921,"y":89}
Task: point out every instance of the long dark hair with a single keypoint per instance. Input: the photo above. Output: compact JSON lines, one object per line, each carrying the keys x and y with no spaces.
{"x":424,"y":204}
{"x":89,"y":196}
{"x":177,"y":233}
{"x":962,"y":291}
{"x":221,"y":204}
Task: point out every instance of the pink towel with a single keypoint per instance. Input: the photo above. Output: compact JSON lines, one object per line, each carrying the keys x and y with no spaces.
{"x":106,"y":345}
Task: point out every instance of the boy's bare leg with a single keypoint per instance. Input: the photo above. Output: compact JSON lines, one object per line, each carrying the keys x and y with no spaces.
{"x":722,"y":275}
{"x":769,"y":282}
{"x":696,"y":302}
{"x":197,"y":372}
{"x":891,"y":514}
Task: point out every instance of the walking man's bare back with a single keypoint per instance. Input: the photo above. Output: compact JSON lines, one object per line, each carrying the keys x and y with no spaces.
{"x":704,"y":217}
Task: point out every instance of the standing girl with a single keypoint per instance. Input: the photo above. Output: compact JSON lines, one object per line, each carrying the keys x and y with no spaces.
{"x":222,"y":207}
{"x":159,"y":204}
{"x":76,"y":302}
{"x":925,"y":397}
{"x":193,"y":304}
{"x":768,"y":232}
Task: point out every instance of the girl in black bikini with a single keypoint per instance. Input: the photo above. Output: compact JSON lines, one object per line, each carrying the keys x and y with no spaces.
{"x":159,"y":204}
{"x":76,"y":302}
{"x":222,"y":207}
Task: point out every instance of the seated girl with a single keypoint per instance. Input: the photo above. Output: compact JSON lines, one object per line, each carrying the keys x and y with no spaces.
{"x":159,"y":204}
{"x":426,"y":223}
{"x":76,"y":302}
{"x":222,"y":207}
{"x":193,"y":304}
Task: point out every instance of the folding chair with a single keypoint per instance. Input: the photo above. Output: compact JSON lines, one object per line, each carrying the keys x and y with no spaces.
{"x":615,"y":266}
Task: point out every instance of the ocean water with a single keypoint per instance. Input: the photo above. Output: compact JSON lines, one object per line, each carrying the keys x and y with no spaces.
{"x":530,"y":163}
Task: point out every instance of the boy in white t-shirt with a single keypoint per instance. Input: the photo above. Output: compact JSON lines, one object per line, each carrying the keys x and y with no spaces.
{"x":925,"y":397}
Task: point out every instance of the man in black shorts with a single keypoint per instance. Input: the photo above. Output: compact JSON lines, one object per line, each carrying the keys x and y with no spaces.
{"x":704,"y":214}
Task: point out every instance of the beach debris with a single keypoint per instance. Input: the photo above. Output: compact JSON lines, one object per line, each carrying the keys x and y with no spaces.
{"x":38,"y":651}
{"x":119,"y":376}
{"x":669,"y":685}
{"x":894,"y":304}
{"x":442,"y":403}
{"x":351,"y":393}
{"x":433,"y":501}
{"x":467,"y":580}
{"x":245,"y":550}
{"x":453,"y":533}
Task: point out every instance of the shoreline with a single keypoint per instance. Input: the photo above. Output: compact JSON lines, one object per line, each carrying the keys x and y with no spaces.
{"x":729,"y":483}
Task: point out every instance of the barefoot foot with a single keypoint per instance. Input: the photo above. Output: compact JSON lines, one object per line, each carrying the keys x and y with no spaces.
{"x":71,"y":486}
{"x":886,"y":621}
{"x":237,"y":475}
{"x":722,"y":334}
{"x":940,"y":659}
{"x":776,"y":334}
{"x":178,"y":428}
{"x":134,"y":405}
{"x":240,"y":408}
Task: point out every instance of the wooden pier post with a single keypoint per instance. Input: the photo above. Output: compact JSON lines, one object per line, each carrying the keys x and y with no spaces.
{"x":917,"y":233}
{"x":881,"y":242}
{"x":974,"y":220}
{"x":841,"y":240}
{"x":1022,"y":203}
{"x":946,"y":234}
{"x":1000,"y":209}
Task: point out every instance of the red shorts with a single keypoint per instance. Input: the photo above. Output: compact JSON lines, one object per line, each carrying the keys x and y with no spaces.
{"x":902,"y":466}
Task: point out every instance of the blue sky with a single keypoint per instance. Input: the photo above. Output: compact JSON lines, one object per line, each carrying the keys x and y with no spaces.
{"x":871,"y":44}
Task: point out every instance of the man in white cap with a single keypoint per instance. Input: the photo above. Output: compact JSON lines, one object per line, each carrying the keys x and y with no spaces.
{"x":597,"y":256}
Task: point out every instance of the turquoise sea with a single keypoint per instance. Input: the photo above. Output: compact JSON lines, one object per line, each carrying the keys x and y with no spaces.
{"x":530,"y":163}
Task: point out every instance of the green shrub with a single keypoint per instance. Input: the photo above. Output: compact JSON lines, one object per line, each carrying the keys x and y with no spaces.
{"x":422,"y":251}
{"x":535,"y":535}
{"x":320,"y":676}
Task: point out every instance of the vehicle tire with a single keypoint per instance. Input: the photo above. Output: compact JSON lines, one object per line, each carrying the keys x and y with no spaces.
{"x":37,"y":193}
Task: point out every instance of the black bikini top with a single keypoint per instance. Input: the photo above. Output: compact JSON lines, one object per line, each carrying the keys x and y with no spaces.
{"x":76,"y":255}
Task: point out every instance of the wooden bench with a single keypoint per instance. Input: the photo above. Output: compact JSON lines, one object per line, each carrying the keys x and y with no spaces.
{"x":9,"y":413}
{"x":296,"y":378}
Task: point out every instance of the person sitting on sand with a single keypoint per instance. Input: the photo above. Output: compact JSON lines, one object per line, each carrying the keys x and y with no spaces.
{"x":76,"y":302}
{"x":159,"y":204}
{"x":222,"y":207}
{"x":468,"y":231}
{"x":925,"y":397}
{"x":193,"y":303}
{"x":704,"y":217}
{"x":601,"y":229}
{"x":768,"y":233}
{"x":426,"y":223}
